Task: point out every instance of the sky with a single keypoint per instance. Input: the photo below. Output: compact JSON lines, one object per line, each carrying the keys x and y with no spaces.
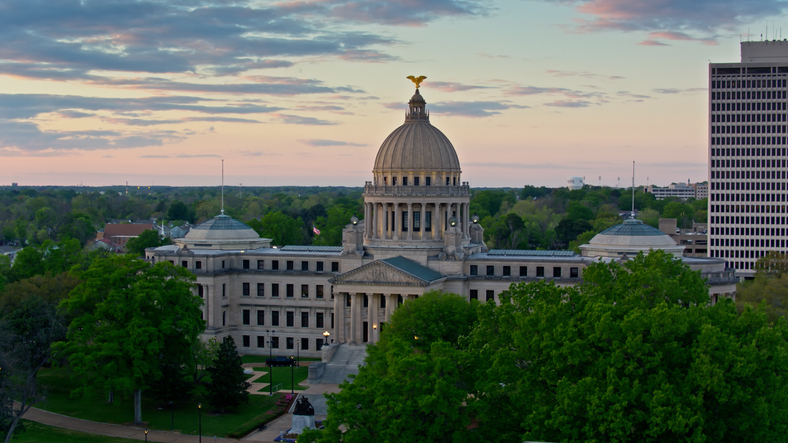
{"x":103,"y":92}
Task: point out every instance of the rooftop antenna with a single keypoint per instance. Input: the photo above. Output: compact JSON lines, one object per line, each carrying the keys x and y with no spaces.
{"x":632,"y":214}
{"x":222,"y":186}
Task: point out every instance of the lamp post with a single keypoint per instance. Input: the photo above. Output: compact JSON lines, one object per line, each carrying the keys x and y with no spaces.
{"x":270,"y":367}
{"x":292,"y":374}
{"x":326,"y":334}
{"x":298,"y":353}
{"x":172,"y":411}
{"x":146,"y":435}
{"x":199,"y":421}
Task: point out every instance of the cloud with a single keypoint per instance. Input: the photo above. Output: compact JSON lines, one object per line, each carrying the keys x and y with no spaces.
{"x":570,"y":104}
{"x":403,"y":12}
{"x":585,"y":74}
{"x":322,"y":142}
{"x":453,"y":86}
{"x":652,"y":43}
{"x":298,"y":120}
{"x":473,"y":109}
{"x":698,"y":20}
{"x":676,"y":91}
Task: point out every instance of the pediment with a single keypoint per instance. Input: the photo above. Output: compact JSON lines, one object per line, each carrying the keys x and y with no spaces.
{"x":378,"y":273}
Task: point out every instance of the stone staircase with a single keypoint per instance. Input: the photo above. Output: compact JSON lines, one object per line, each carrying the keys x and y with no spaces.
{"x":345,"y":361}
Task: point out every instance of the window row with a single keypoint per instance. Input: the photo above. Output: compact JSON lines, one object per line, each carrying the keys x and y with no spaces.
{"x":290,"y":265}
{"x":747,"y":140}
{"x":747,"y":118}
{"x":246,"y":289}
{"x":747,"y":152}
{"x":506,"y":271}
{"x":729,"y":107}
{"x":273,"y":342}
{"x":748,"y":95}
{"x":747,"y":197}
{"x":417,"y":181}
{"x":739,"y":84}
{"x":365,"y":300}
{"x":747,"y":163}
{"x":748,"y":129}
{"x":488,"y":296}
{"x":290,"y":316}
{"x":758,"y":175}
{"x":774,"y":232}
{"x":746,"y":253}
{"x":747,"y":209}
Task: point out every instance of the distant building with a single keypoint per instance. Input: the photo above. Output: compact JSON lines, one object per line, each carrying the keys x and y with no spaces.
{"x":747,"y":155}
{"x":117,"y":234}
{"x":682,"y":191}
{"x":695,"y":240}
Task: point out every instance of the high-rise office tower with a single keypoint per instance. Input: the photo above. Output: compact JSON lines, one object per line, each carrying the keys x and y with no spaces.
{"x":747,"y":155}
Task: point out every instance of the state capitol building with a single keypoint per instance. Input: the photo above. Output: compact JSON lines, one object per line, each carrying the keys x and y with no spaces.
{"x":417,"y":235}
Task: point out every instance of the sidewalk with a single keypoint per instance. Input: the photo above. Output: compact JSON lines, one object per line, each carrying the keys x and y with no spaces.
{"x":315,"y":395}
{"x":92,"y":427}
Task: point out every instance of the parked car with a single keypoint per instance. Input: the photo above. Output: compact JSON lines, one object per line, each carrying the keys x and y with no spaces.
{"x":280,"y":361}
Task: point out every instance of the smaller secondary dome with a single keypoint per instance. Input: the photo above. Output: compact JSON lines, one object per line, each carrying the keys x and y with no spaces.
{"x":574,"y":183}
{"x":222,"y":227}
{"x":632,"y":233}
{"x":416,"y":146}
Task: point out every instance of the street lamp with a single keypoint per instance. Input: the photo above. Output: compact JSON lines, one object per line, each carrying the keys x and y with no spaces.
{"x":146,"y":435}
{"x":172,"y":410}
{"x":270,"y":367}
{"x":298,"y":353}
{"x":292,"y":378}
{"x":326,"y":334}
{"x":199,"y":421}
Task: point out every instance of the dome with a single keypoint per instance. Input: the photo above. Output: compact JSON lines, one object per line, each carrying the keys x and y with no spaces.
{"x":417,"y":146}
{"x":222,"y":227}
{"x":630,"y":237}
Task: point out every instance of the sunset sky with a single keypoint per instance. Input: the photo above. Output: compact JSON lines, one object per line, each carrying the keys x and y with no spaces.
{"x":101,"y":92}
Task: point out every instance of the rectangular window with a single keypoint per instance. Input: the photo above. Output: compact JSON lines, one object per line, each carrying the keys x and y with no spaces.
{"x":319,"y":291}
{"x":383,"y":301}
{"x":416,"y":181}
{"x":334,"y":266}
{"x":319,"y":343}
{"x":556,"y":272}
{"x":404,"y":181}
{"x":274,"y":318}
{"x":224,"y":289}
{"x":319,"y":320}
{"x":304,"y":344}
{"x":260,"y":264}
{"x":574,"y":273}
{"x":290,"y":290}
{"x":304,"y":265}
{"x":290,"y":343}
{"x":261,"y":289}
{"x":366,"y":301}
{"x":275,"y":342}
{"x":274,"y":289}
{"x":275,"y":265}
{"x":245,"y":340}
{"x":222,"y":264}
{"x":347,"y":300}
{"x":416,"y":221}
{"x":304,"y":319}
{"x":427,"y":181}
{"x":290,"y":319}
{"x":490,"y":270}
{"x":319,"y":266}
{"x":304,"y":291}
{"x":490,"y":295}
{"x":404,"y":220}
{"x":523,"y":271}
{"x":474,"y":270}
{"x":474,"y":294}
{"x":428,"y":221}
{"x":245,"y":316}
{"x":540,"y":271}
{"x":332,"y":320}
{"x":507,"y":271}
{"x":245,"y":287}
{"x":260,"y":318}
{"x":185,"y":263}
{"x":200,"y":291}
{"x":198,"y":265}
{"x":290,"y":265}
{"x":260,"y":341}
{"x":246,"y":264}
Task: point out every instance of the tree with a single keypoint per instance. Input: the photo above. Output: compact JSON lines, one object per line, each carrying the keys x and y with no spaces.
{"x":50,"y":288}
{"x":414,"y":383}
{"x":635,"y":353}
{"x":228,"y":386}
{"x":769,"y":288}
{"x":179,"y":211}
{"x":280,"y":228}
{"x":130,"y":318}
{"x":148,"y":239}
{"x":26,"y":336}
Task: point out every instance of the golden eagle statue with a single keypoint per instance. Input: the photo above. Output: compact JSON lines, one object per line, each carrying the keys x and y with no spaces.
{"x":417,"y":80}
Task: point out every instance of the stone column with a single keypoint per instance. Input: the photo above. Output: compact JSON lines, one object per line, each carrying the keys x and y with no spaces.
{"x":339,"y":318}
{"x":355,"y":319}
{"x":391,"y":304}
{"x":374,"y":322}
{"x":366,"y":220}
{"x":422,"y":232}
{"x":397,"y":222}
{"x":206,"y":293}
{"x":410,"y":221}
{"x":467,"y":220}
{"x":386,"y":221}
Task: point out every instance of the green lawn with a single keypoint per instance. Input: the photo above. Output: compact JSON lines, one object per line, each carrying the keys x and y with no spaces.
{"x":58,"y":385}
{"x":38,"y":433}
{"x":263,"y":358}
{"x":282,"y":375}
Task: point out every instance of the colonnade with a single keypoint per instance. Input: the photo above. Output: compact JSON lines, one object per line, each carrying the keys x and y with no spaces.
{"x":361,"y":318}
{"x":385,"y":220}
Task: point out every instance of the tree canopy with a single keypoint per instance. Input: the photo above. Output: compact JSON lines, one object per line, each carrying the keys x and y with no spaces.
{"x":228,"y":386}
{"x":129,"y":319}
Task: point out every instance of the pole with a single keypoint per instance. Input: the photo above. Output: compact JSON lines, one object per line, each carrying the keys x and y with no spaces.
{"x":298,"y":353}
{"x":270,"y":367}
{"x":146,"y":435}
{"x":199,"y":421}
{"x":292,"y":372}
{"x":172,"y":410}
